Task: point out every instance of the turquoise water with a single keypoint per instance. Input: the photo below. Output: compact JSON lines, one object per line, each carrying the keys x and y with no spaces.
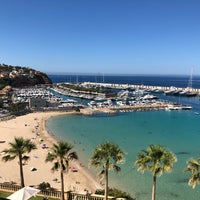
{"x":179,"y":131}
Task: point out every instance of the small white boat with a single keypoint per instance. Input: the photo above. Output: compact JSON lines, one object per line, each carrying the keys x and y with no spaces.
{"x":171,"y":91}
{"x":186,"y":107}
{"x":149,"y":97}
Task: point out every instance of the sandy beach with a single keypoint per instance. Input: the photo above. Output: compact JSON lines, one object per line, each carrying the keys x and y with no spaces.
{"x":32,"y":126}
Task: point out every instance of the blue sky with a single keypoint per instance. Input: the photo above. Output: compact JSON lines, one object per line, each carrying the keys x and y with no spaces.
{"x":101,"y":36}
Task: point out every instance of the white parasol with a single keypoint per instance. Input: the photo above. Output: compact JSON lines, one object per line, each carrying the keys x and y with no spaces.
{"x":24,"y":193}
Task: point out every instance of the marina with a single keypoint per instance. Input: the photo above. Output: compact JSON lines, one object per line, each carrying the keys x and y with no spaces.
{"x":188,"y":91}
{"x":104,"y":97}
{"x":126,"y":98}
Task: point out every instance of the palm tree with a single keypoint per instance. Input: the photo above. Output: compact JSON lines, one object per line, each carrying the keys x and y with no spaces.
{"x":156,"y":159}
{"x":61,"y":155}
{"x":107,"y":156}
{"x":18,"y":149}
{"x":193,"y":166}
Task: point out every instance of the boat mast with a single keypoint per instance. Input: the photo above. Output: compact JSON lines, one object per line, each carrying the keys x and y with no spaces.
{"x":190,"y":79}
{"x":76,"y":78}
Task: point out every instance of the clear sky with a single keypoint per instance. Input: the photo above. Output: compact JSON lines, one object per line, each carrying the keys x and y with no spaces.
{"x":101,"y":36}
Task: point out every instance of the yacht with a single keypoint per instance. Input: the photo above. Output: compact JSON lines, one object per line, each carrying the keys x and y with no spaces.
{"x":149,"y":97}
{"x":171,"y":91}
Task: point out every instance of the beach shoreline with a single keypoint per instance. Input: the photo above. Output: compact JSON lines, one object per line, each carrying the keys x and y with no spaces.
{"x":33,"y":126}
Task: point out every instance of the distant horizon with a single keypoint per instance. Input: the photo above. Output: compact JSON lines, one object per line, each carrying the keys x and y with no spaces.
{"x":102,"y":73}
{"x":114,"y":74}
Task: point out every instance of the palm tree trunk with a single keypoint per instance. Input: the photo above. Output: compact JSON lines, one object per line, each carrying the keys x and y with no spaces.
{"x":21,"y":171}
{"x":62,"y":185}
{"x":106,"y":184}
{"x":154,"y":188}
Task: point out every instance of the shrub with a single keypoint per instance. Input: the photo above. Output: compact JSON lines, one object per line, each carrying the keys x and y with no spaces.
{"x":44,"y":186}
{"x":115,"y":193}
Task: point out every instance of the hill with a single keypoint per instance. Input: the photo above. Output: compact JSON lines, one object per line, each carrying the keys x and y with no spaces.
{"x":17,"y":76}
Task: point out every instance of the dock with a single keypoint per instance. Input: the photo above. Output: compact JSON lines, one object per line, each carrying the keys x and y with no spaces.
{"x":144,"y":87}
{"x":158,"y":105}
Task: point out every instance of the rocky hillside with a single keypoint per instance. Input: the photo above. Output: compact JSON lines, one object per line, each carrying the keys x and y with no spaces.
{"x":17,"y":76}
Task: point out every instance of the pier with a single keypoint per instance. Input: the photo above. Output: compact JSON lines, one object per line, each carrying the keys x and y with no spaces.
{"x":158,"y":105}
{"x":144,"y":87}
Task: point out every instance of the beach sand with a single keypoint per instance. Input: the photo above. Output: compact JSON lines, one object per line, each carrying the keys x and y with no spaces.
{"x":28,"y":126}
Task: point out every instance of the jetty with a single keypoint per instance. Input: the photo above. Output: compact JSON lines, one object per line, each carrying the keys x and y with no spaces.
{"x":195,"y":91}
{"x":138,"y":108}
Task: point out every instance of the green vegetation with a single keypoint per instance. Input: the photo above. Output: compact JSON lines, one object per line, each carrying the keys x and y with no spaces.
{"x":8,"y":68}
{"x":156,"y":159}
{"x":18,"y":76}
{"x":41,"y":198}
{"x":193,"y":166}
{"x":61,"y":155}
{"x":44,"y":186}
{"x":109,"y":93}
{"x":107,"y":156}
{"x":116,"y":193}
{"x":1,"y":103}
{"x":18,"y":148}
{"x":5,"y":68}
{"x":6,"y":194}
{"x":4,"y":82}
{"x":17,"y":108}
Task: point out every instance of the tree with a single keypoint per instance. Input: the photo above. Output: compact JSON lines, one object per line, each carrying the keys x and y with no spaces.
{"x":18,"y":149}
{"x":61,"y":155}
{"x":193,"y":166}
{"x":1,"y":103}
{"x":116,"y":193}
{"x":44,"y":186}
{"x":107,"y":156}
{"x":156,"y":159}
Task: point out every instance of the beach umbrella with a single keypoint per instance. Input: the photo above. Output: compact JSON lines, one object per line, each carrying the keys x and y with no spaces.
{"x":24,"y":193}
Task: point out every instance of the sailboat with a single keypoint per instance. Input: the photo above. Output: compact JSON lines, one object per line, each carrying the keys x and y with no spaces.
{"x":188,"y":91}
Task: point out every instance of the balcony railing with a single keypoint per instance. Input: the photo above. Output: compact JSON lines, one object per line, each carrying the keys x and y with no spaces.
{"x":10,"y":187}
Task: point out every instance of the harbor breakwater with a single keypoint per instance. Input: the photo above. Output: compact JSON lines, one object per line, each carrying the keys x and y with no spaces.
{"x":146,"y":87}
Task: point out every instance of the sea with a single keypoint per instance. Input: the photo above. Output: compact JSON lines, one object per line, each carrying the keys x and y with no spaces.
{"x":178,"y":131}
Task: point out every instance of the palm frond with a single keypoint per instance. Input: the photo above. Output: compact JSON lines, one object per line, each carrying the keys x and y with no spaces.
{"x":193,"y":166}
{"x":25,"y":158}
{"x":116,"y":168}
{"x":101,"y":174}
{"x":107,"y":155}
{"x":50,"y":157}
{"x":72,"y":156}
{"x":56,"y":166}
{"x":156,"y":159}
{"x":61,"y":153}
{"x":8,"y":158}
